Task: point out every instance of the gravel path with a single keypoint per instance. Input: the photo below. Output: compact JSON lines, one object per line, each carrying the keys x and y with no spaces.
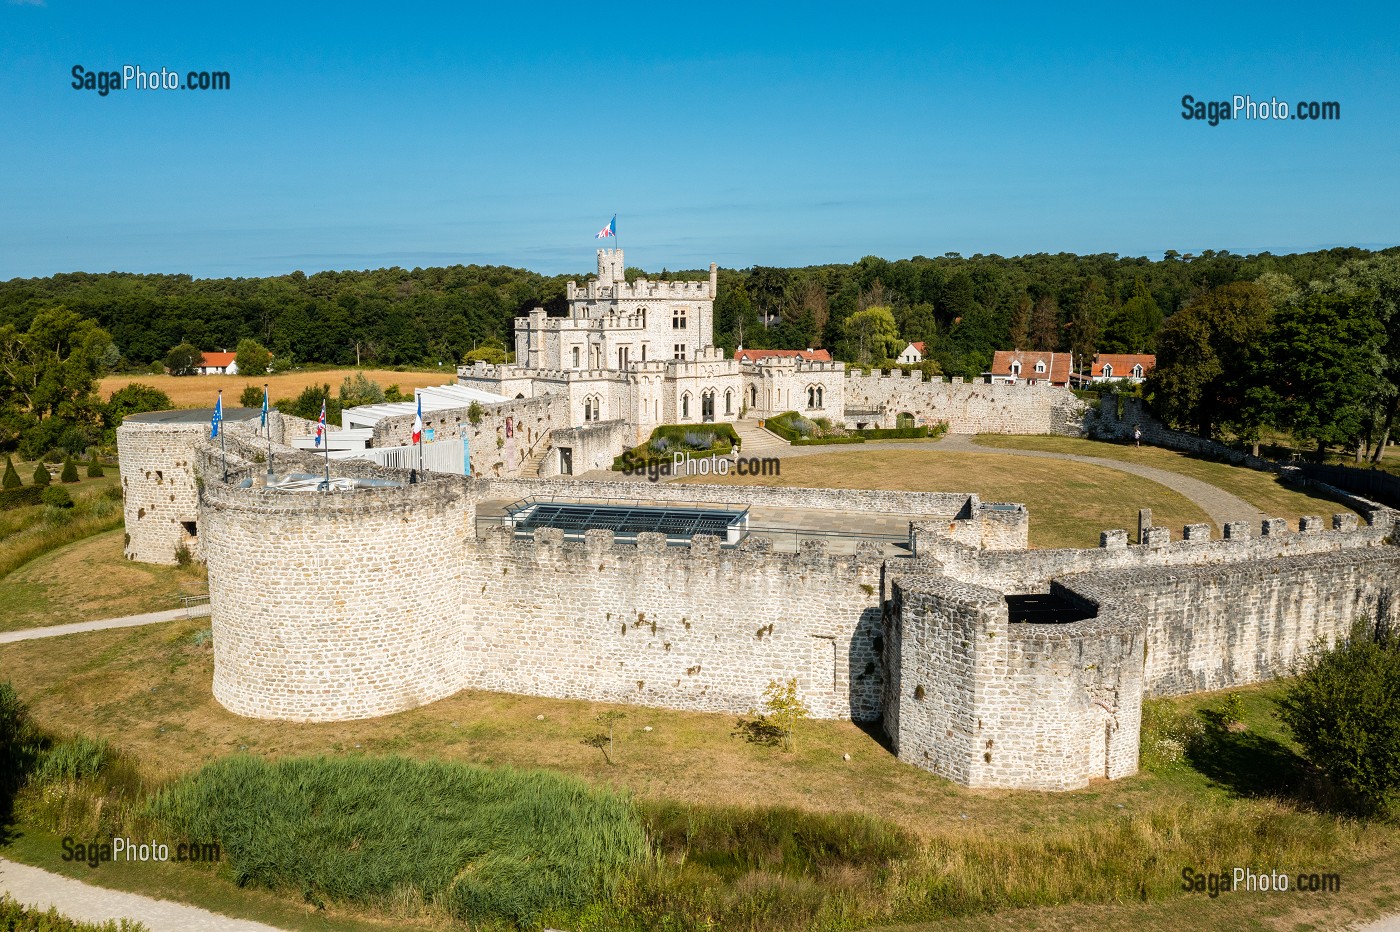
{"x":78,"y":900}
{"x":130,"y":621}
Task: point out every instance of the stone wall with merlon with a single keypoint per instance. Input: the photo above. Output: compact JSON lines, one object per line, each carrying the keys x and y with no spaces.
{"x":699,"y":628}
{"x":334,"y":607}
{"x":1213,"y":627}
{"x":987,"y":703}
{"x":967,"y":407}
{"x":1021,"y":571}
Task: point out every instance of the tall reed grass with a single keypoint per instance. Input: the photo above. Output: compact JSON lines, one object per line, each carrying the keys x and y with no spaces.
{"x":37,"y":532}
{"x":483,"y":843}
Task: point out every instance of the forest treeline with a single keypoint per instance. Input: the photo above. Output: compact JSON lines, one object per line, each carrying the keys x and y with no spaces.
{"x":961,"y":308}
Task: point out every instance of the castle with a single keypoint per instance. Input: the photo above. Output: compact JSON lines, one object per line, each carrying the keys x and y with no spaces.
{"x":986,"y":662}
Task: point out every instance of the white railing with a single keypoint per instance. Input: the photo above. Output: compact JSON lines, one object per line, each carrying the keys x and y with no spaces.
{"x":447,"y":456}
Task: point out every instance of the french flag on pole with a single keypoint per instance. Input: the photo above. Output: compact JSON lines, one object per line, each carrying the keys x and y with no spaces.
{"x":321,"y":426}
{"x":418,"y":421}
{"x":609,"y":230}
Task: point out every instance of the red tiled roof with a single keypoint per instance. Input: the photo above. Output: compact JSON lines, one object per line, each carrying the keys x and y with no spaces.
{"x":753,"y":355}
{"x":1123,"y":363}
{"x":919,"y":345}
{"x":216,"y":360}
{"x":1056,"y":365}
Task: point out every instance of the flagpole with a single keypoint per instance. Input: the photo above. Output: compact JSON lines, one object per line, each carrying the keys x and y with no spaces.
{"x":267,"y":424}
{"x":327,"y":438}
{"x":223,"y":447}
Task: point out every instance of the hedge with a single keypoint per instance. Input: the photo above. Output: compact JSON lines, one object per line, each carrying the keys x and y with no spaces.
{"x":21,"y":497}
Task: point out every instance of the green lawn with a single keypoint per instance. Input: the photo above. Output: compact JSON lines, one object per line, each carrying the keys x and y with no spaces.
{"x":1070,"y":503}
{"x":1263,"y":490}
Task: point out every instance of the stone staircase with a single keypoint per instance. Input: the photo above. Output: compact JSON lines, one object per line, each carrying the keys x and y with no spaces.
{"x":757,"y":441}
{"x":530,"y":466}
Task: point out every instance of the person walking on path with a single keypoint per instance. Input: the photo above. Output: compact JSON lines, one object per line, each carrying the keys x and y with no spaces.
{"x":1137,"y":435}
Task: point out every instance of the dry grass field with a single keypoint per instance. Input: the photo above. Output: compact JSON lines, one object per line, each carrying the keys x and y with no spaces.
{"x":148,"y":691}
{"x":199,"y":391}
{"x":1070,"y":503}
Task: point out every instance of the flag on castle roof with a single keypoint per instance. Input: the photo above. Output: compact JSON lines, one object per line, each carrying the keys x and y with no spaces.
{"x":418,"y":421}
{"x":321,"y":426}
{"x":609,"y":230}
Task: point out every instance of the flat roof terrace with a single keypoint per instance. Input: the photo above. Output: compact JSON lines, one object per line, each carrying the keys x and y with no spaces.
{"x":626,"y":519}
{"x":784,"y":527}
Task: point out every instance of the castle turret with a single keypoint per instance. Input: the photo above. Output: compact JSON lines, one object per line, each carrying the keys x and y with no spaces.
{"x":714,"y":280}
{"x":610,"y":266}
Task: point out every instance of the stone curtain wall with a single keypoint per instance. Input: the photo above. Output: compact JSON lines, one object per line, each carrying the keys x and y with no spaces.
{"x":158,"y":485}
{"x":329,"y":608}
{"x":987,"y":703}
{"x":492,"y":452}
{"x":698,"y":628}
{"x":968,"y":407}
{"x":1214,"y":627}
{"x":1018,"y":571}
{"x":592,"y":447}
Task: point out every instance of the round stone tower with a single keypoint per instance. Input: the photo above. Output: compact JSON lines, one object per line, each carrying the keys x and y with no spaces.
{"x":330,"y":607}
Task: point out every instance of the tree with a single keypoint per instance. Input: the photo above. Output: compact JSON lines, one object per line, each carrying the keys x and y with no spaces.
{"x":784,"y":708}
{"x":359,"y":389}
{"x":1316,"y":371}
{"x":1200,"y":373}
{"x":604,"y":742}
{"x":251,"y":396}
{"x":1133,"y":328}
{"x":41,"y":474}
{"x":1045,"y":324}
{"x":871,"y":335}
{"x":12,"y":479}
{"x":183,"y":359}
{"x":1021,"y":323}
{"x":1344,"y":711}
{"x":493,"y":352}
{"x":94,"y":467}
{"x":252,"y":358}
{"x":70,"y":470}
{"x":134,"y":398}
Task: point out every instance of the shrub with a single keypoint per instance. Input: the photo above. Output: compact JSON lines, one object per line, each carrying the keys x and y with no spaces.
{"x":474,"y":410}
{"x":21,"y":497}
{"x":490,"y":843}
{"x":12,"y":480}
{"x":41,"y":474}
{"x":359,"y":389}
{"x":70,"y":470}
{"x":56,"y":496}
{"x":20,"y":745}
{"x":80,"y":758}
{"x":1344,"y":711}
{"x":15,"y":915}
{"x":251,"y":396}
{"x":183,"y":557}
{"x":94,"y":467}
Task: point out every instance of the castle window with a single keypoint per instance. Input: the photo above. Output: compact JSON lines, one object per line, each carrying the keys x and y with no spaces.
{"x":753,"y":396}
{"x":643,"y":312}
{"x":685,"y":406}
{"x":811,"y":397}
{"x":728,"y":402}
{"x":680,"y":351}
{"x":622,"y":352}
{"x":575,"y":357}
{"x":678,"y":319}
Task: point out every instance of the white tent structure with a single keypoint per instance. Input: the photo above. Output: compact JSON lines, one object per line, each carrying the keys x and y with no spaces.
{"x":435,"y":398}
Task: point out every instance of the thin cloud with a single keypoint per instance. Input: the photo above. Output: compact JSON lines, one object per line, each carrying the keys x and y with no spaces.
{"x":28,"y":3}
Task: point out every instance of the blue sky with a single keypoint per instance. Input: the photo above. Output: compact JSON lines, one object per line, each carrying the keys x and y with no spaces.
{"x":361,"y":136}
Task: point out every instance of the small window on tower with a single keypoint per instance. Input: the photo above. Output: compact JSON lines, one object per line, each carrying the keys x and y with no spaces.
{"x":678,"y":318}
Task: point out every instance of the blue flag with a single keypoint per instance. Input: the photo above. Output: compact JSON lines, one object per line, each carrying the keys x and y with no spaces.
{"x":263,"y":422}
{"x":218,"y":417}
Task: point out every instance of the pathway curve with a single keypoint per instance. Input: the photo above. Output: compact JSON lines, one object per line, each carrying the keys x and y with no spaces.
{"x":1223,"y":507}
{"x":77,"y":900}
{"x":130,"y":621}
